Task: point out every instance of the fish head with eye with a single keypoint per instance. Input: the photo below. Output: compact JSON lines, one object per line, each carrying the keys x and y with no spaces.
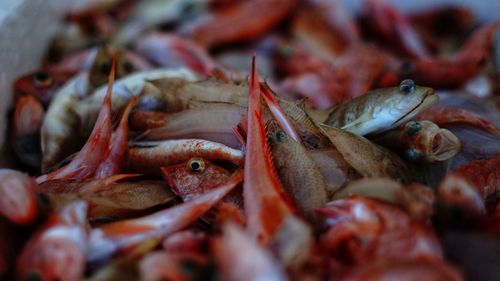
{"x":274,"y":133}
{"x":42,"y":84}
{"x":400,"y":104}
{"x":194,"y":177}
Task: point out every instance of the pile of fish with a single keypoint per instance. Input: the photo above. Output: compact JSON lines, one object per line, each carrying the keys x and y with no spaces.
{"x":256,"y":140}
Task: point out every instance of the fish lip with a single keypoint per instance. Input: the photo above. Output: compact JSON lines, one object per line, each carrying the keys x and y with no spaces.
{"x":429,"y":100}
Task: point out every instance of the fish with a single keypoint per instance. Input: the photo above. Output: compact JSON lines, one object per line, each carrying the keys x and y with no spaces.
{"x":395,"y":29}
{"x":57,"y":249}
{"x":416,"y":199}
{"x":88,"y":159}
{"x":42,"y":84}
{"x":123,"y":90}
{"x":266,"y":203}
{"x":421,"y":141}
{"x":382,"y":109}
{"x":148,"y":156}
{"x":18,"y":199}
{"x":114,"y":156}
{"x":298,"y":173}
{"x":123,"y":235}
{"x":172,"y":51}
{"x":447,"y":116}
{"x":58,"y":135}
{"x":472,"y":185}
{"x":240,"y":22}
{"x":26,"y":124}
{"x":109,"y":198}
{"x":258,"y":263}
{"x":194,"y":177}
{"x":367,"y":158}
{"x":373,"y":230}
{"x":211,"y":121}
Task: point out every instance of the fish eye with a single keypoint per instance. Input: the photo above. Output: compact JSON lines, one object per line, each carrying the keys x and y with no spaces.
{"x":280,"y":136}
{"x":106,"y":67}
{"x":413,"y":128}
{"x":412,"y":154}
{"x":128,"y":67}
{"x":407,"y":86}
{"x":196,"y":165}
{"x":42,"y":79}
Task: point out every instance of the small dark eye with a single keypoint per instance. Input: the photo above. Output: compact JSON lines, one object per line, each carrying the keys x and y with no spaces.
{"x":42,"y":79}
{"x":106,"y":67}
{"x":407,"y":86}
{"x":280,"y":136}
{"x":128,"y":67}
{"x":196,"y":165}
{"x":412,"y":154}
{"x":413,"y":128}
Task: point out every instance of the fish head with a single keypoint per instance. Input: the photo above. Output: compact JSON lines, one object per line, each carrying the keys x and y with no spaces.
{"x":406,"y":101}
{"x":194,"y":177}
{"x":42,"y":84}
{"x":275,"y":134}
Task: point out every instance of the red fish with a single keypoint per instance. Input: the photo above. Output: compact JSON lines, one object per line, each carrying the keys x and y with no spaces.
{"x":57,"y":250}
{"x":394,"y":27}
{"x":115,"y":155}
{"x":42,"y":84}
{"x":194,"y":177}
{"x":471,"y":185}
{"x":362,"y":229}
{"x":18,"y":202}
{"x":242,"y":21}
{"x":266,"y":203}
{"x":90,"y":156}
{"x":240,"y":258}
{"x":445,"y":116}
{"x":124,"y":235}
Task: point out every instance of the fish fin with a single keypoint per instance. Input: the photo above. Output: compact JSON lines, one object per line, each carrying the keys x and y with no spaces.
{"x":363,"y":118}
{"x":240,"y":131}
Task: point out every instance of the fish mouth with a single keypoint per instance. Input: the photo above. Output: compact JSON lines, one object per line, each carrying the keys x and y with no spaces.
{"x":429,"y":100}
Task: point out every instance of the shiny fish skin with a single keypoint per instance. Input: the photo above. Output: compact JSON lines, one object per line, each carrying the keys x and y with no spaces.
{"x":381,"y":110}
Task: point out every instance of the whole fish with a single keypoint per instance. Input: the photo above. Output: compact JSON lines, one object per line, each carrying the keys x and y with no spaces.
{"x":367,"y":158}
{"x":124,"y":235}
{"x":148,"y":157}
{"x":382,"y":109}
{"x":57,"y":249}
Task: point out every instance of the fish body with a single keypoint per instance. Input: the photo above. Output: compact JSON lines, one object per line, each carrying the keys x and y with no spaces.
{"x":382,"y":109}
{"x":147,"y":156}
{"x":61,"y":121}
{"x":18,"y":201}
{"x":57,"y":250}
{"x":299,"y":174}
{"x":122,"y":235}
